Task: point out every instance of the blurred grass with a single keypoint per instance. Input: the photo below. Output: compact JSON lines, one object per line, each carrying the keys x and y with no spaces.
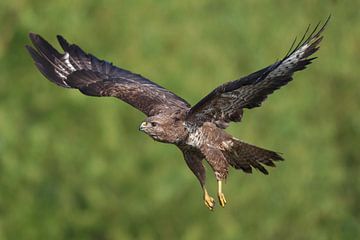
{"x":75,"y":167}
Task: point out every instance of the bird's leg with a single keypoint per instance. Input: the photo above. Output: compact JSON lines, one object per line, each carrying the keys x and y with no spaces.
{"x":221,"y":195}
{"x":219,"y":164}
{"x":208,"y":200}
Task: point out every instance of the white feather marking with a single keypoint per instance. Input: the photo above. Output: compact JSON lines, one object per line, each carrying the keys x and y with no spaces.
{"x":67,"y":62}
{"x":291,"y":60}
{"x":195,"y":138}
{"x":65,"y":83}
{"x":60,"y":74}
{"x":227,"y":144}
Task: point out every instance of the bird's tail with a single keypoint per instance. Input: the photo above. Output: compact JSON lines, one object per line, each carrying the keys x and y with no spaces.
{"x":244,"y":156}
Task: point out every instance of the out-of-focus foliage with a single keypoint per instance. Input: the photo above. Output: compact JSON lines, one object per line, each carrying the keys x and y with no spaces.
{"x":75,"y":167}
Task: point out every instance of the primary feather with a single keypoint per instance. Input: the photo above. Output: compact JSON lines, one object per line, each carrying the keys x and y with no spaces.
{"x":226,"y":103}
{"x":94,"y":77}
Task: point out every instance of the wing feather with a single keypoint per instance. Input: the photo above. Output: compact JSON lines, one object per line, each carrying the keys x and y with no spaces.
{"x":226,"y":103}
{"x":76,"y":69}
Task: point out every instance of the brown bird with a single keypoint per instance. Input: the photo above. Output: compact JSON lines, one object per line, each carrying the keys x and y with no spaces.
{"x":198,"y":130}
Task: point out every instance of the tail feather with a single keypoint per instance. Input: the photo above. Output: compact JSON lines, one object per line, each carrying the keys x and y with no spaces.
{"x":245,"y":156}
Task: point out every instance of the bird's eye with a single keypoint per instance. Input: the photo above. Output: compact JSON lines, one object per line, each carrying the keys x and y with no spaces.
{"x":153,"y":124}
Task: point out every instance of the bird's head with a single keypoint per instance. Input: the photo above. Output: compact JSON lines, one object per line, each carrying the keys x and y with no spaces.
{"x":163,"y":128}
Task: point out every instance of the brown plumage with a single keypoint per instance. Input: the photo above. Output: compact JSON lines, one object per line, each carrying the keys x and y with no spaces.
{"x":198,"y":130}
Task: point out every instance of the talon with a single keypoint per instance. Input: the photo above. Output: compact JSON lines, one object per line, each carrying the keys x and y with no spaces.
{"x":210,"y":203}
{"x":208,"y":200}
{"x":221,"y":195}
{"x":222,"y":199}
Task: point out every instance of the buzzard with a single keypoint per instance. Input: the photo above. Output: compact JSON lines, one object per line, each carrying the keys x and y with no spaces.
{"x":198,"y":131}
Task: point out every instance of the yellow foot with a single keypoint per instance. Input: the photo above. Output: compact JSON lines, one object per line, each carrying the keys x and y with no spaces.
{"x":222,"y":199}
{"x":208,"y":200}
{"x":221,"y":196}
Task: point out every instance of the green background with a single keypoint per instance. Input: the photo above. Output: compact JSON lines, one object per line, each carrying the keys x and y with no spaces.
{"x":76,"y":167}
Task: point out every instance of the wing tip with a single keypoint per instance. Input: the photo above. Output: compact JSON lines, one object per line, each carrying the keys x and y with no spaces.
{"x":36,"y":39}
{"x":39,"y":52}
{"x":314,"y":35}
{"x":29,"y":48}
{"x":63,"y":42}
{"x":33,"y":35}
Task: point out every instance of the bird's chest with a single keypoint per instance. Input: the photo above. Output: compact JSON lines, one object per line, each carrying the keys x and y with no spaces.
{"x":208,"y":134}
{"x":195,"y":138}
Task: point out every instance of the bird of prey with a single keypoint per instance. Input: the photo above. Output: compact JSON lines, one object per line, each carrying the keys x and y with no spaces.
{"x":198,"y":131}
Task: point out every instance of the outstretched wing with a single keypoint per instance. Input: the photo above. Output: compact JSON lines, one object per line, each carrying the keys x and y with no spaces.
{"x":94,"y":77}
{"x":226,"y":103}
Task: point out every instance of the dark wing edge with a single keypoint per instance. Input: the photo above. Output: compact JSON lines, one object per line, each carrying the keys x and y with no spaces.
{"x":226,"y":102}
{"x":77,"y":69}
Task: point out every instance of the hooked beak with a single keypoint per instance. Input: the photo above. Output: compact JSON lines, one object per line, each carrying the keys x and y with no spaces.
{"x":143,"y":126}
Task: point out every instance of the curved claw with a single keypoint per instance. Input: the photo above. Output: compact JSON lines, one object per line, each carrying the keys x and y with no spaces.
{"x":222,"y":199}
{"x":208,"y":200}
